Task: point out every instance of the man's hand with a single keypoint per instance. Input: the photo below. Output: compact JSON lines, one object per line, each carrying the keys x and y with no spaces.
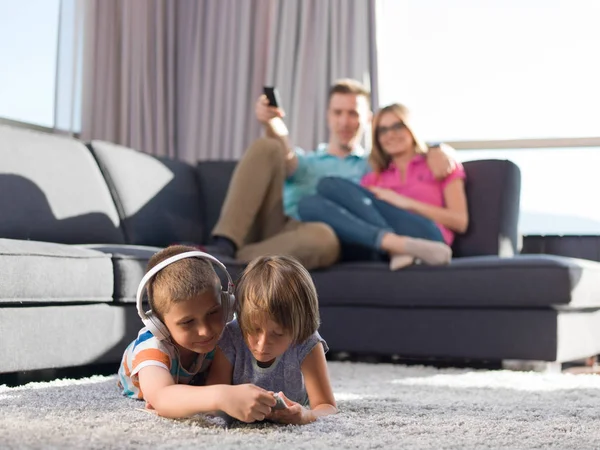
{"x":264,"y":112}
{"x":247,"y":402}
{"x":295,"y":413}
{"x":441,"y":160}
{"x":271,"y":117}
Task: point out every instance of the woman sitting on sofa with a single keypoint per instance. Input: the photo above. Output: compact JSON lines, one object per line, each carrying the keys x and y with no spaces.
{"x":400,"y":209}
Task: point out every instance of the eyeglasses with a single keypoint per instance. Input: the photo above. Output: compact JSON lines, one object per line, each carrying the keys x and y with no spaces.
{"x":396,"y":127}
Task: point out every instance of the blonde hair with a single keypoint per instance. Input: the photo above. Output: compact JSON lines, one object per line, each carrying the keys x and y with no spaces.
{"x":350,"y":86}
{"x":378,"y":158}
{"x":281,"y":288}
{"x":179,"y":281}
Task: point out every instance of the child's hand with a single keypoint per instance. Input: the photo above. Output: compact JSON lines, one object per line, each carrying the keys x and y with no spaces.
{"x":247,"y":402}
{"x":294,"y":414}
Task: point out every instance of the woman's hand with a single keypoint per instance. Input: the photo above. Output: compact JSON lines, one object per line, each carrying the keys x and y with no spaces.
{"x":294,"y":414}
{"x":390,"y":196}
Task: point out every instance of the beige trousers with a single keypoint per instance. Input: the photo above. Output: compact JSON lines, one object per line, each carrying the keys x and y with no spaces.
{"x":252,"y":215}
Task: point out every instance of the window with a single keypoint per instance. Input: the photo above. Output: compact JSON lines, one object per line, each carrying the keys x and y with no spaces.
{"x":478,"y":70}
{"x":483,"y":70}
{"x":28,"y":55}
{"x":41,"y":52}
{"x":559,"y":188}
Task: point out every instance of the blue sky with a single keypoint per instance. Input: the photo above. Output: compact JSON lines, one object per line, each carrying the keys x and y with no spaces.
{"x":28,"y":50}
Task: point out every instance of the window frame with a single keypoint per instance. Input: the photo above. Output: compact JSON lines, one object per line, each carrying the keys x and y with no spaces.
{"x":525,"y":143}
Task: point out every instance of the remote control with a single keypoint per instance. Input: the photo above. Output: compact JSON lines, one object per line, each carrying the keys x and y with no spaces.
{"x":280,"y":403}
{"x":272,"y":95}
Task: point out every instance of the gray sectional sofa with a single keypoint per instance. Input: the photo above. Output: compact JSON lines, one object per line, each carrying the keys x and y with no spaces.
{"x":78,"y":223}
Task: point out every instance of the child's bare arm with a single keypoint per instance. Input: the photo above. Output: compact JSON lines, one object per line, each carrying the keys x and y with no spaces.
{"x":245,"y":402}
{"x":221,"y":370}
{"x":174,"y":400}
{"x":318,"y":385}
{"x":318,"y":388}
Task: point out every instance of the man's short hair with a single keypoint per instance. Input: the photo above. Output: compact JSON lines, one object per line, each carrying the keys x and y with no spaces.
{"x":179,"y":281}
{"x":350,"y":86}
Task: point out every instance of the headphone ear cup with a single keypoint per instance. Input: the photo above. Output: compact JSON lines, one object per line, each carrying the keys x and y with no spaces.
{"x":228,"y":302}
{"x":156,"y":327}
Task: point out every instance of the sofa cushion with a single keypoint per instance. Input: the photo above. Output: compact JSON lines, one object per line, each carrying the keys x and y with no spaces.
{"x":493,"y":189}
{"x":129,"y":263}
{"x":158,"y":199}
{"x":43,"y":272}
{"x":51,"y":189}
{"x":525,"y":281}
{"x":49,"y":337}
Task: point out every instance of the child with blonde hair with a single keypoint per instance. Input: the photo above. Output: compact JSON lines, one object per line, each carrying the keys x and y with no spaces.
{"x":176,"y":346}
{"x":274,"y":343}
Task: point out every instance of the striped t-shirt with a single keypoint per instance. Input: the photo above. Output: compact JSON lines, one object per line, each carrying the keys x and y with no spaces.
{"x":146,"y":351}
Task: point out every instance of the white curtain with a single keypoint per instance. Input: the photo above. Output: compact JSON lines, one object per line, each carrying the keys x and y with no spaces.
{"x":180,"y":77}
{"x":311,"y":44}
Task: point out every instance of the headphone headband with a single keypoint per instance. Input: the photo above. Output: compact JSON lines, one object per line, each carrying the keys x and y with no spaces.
{"x":161,"y":265}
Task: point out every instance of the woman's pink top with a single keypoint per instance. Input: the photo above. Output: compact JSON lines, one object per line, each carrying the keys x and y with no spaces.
{"x":419,"y":184}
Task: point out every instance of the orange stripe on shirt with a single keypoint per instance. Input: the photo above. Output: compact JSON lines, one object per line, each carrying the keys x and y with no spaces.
{"x":126,"y":368}
{"x":151,"y":354}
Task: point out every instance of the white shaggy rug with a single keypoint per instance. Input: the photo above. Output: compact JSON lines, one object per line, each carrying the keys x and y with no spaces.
{"x":381,"y":406}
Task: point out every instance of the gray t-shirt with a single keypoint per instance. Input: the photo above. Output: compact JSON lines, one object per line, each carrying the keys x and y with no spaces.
{"x":283,"y":375}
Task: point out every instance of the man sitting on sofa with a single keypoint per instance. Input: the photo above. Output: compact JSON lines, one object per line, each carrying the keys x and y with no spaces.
{"x":259,"y":215}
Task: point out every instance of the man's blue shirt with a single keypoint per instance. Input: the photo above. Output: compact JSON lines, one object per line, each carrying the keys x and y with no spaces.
{"x":315,"y":165}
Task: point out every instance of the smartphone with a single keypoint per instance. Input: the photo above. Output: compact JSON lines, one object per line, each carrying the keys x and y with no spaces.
{"x":272,"y":95}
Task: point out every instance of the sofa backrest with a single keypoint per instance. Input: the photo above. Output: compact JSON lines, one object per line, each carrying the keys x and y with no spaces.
{"x":493,"y":189}
{"x":158,"y":199}
{"x":51,"y":189}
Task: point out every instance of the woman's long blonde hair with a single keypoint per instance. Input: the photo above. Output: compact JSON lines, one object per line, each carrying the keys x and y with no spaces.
{"x":379,"y":159}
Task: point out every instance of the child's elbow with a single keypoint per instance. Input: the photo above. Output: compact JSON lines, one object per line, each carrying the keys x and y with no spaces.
{"x":166,"y":412}
{"x":165,"y":408}
{"x":332,"y":408}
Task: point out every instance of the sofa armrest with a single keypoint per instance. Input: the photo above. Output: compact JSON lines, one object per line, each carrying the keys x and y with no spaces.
{"x":493,"y":189}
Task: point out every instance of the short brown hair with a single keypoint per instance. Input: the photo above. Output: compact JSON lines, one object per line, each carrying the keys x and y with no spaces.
{"x":378,"y":158}
{"x":180,"y":280}
{"x":350,"y":86}
{"x":283,"y":288}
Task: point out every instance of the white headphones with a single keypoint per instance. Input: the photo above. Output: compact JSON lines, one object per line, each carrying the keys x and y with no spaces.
{"x":153,"y":323}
